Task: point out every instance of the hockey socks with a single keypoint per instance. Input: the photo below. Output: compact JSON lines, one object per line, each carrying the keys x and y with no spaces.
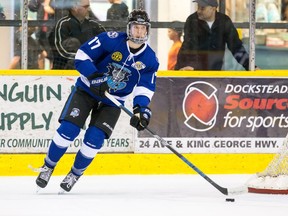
{"x":65,"y":134}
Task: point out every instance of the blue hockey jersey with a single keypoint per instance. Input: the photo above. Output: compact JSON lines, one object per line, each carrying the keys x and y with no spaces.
{"x":109,"y":53}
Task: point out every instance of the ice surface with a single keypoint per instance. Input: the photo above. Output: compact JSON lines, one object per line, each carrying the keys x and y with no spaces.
{"x":135,"y":195}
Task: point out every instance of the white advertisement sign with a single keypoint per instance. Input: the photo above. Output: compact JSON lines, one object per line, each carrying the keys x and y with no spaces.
{"x":30,"y":107}
{"x":210,"y":145}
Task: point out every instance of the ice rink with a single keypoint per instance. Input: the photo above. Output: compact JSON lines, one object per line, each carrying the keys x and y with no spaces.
{"x":131,"y":195}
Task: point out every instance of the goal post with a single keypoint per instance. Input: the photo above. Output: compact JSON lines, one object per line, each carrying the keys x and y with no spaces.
{"x":274,"y":179}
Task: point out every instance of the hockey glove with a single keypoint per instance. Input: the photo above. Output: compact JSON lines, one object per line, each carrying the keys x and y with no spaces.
{"x":141,"y":117}
{"x":98,"y":84}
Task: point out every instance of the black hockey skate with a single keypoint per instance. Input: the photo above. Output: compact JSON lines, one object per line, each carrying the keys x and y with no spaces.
{"x":44,"y":176}
{"x":69,"y":181}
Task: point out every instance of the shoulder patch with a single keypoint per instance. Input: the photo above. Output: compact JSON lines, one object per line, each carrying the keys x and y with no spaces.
{"x":138,"y":65}
{"x":112,"y":34}
{"x":117,"y":56}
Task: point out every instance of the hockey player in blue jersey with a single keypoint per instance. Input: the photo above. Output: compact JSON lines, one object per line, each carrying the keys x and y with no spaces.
{"x":120,"y":63}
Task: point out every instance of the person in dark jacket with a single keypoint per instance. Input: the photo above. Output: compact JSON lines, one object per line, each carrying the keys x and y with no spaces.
{"x":70,"y":32}
{"x":206,"y":34}
{"x":117,"y":12}
{"x":47,"y":10}
{"x":36,"y":53}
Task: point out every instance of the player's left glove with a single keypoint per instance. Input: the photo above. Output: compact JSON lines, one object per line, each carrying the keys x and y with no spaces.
{"x":98,"y":84}
{"x":141,"y":117}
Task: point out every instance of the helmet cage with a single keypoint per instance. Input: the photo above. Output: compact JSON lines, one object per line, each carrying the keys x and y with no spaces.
{"x":138,"y":40}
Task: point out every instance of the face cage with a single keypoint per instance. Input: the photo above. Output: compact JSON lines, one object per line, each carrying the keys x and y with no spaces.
{"x":138,"y":40}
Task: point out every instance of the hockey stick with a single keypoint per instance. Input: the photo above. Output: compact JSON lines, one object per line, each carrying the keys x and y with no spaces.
{"x":225,"y":191}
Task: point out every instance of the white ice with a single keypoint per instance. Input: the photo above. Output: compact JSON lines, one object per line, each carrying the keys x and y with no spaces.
{"x":135,"y":195}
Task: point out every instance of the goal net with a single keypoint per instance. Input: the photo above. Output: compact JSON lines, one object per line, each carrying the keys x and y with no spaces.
{"x":274,"y":179}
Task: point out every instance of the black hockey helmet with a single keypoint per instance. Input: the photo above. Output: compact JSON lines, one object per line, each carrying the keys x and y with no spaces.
{"x":139,"y":17}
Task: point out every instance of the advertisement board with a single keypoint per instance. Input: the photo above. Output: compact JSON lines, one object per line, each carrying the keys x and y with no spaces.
{"x":30,"y":107}
{"x":194,"y":114}
{"x":218,"y":115}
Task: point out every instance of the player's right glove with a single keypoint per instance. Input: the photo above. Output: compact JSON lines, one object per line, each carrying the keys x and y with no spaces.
{"x":141,"y":117}
{"x":98,"y":84}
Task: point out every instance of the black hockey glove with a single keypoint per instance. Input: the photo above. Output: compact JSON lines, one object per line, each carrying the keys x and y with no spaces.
{"x":141,"y":117}
{"x":98,"y":84}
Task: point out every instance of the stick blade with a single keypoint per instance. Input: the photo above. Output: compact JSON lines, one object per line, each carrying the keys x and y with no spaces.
{"x":238,"y":190}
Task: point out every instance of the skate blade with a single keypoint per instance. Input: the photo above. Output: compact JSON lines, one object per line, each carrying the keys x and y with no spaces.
{"x":34,"y":169}
{"x":38,"y":189}
{"x":61,"y":191}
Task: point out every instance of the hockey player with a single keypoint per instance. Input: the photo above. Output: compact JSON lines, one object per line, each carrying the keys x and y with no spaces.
{"x":120,"y":63}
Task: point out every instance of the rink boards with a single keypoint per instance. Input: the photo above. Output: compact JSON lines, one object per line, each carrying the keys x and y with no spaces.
{"x":14,"y":160}
{"x":17,"y":164}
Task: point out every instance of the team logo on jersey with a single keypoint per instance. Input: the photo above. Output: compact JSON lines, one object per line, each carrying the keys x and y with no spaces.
{"x":112,"y":34}
{"x":117,"y":56}
{"x":118,"y":76}
{"x":75,"y":112}
{"x":138,"y":65}
{"x":200,"y":106}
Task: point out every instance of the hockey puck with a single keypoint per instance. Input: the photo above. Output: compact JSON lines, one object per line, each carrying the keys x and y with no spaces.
{"x":230,"y":200}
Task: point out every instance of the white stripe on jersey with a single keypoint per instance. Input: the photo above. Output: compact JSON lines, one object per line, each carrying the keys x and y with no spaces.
{"x":85,"y":80}
{"x":80,"y":55}
{"x":142,"y":91}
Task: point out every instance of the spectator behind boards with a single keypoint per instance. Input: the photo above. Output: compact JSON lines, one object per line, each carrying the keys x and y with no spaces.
{"x":44,"y":12}
{"x":36,"y":53}
{"x":70,"y":32}
{"x":174,"y":34}
{"x":117,"y":12}
{"x":206,"y":34}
